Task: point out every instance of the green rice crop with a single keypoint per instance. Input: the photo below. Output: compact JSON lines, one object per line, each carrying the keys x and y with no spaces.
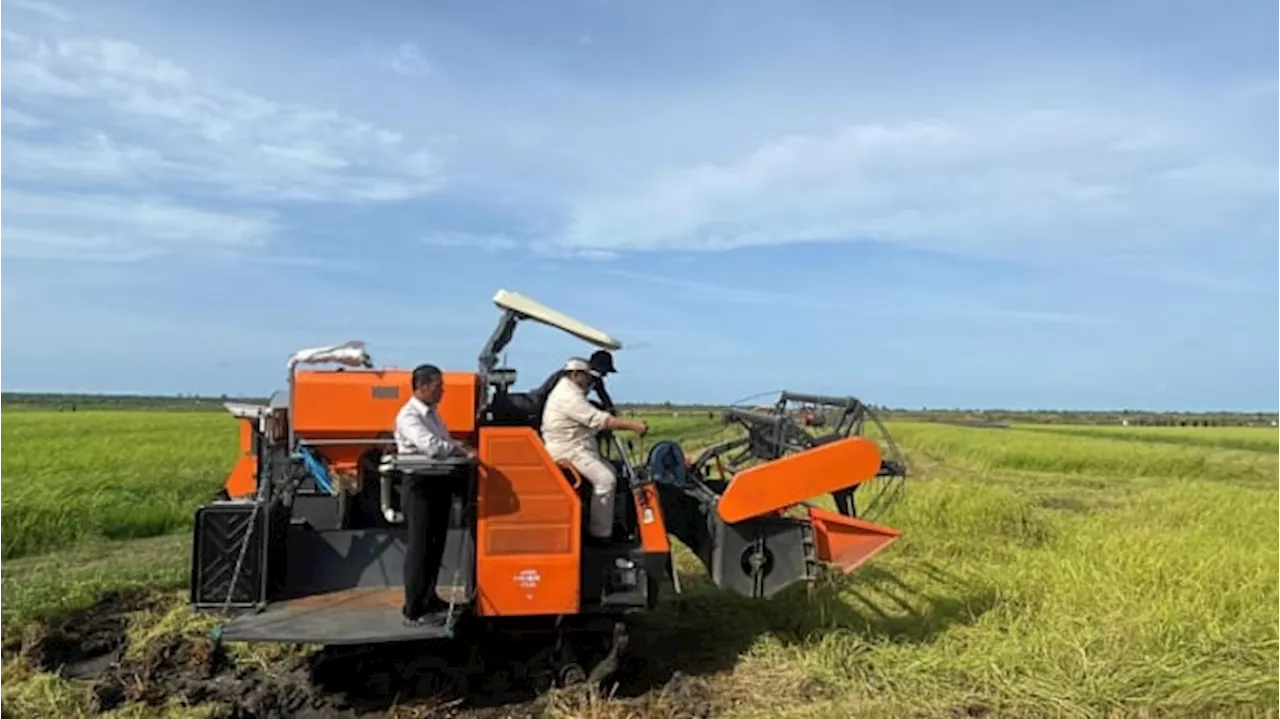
{"x":89,"y":476}
{"x":1256,"y":439}
{"x":1052,"y":571}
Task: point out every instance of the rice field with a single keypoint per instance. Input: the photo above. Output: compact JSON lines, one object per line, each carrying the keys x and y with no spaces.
{"x":85,"y":477}
{"x":1044,"y":571}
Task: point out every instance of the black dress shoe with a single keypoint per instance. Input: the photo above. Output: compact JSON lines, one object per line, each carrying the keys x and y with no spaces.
{"x":426,"y":620}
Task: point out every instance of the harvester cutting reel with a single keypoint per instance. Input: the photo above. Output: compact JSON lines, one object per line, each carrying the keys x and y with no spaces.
{"x":735,"y":505}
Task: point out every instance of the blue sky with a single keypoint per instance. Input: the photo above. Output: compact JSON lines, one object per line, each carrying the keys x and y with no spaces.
{"x":1033,"y":204}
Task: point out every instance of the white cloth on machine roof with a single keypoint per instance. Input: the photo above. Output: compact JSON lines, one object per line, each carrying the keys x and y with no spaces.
{"x":350,"y":353}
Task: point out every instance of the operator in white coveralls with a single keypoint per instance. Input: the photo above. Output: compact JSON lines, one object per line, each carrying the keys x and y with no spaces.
{"x":569,"y":427}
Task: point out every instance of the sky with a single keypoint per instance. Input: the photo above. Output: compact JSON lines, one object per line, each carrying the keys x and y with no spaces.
{"x":925,"y":204}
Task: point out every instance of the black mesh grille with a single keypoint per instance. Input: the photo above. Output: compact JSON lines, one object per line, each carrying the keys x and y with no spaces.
{"x":219,"y":535}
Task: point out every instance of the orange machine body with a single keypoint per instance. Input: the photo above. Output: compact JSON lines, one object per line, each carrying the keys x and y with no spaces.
{"x":362,"y":404}
{"x":789,"y":480}
{"x":529,"y":511}
{"x":528,"y":524}
{"x":243,"y":479}
{"x":343,"y":414}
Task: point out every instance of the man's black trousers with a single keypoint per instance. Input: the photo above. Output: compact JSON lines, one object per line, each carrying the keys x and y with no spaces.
{"x":425,"y":502}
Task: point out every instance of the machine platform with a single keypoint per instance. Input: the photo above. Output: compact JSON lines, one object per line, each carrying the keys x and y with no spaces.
{"x":351,"y":616}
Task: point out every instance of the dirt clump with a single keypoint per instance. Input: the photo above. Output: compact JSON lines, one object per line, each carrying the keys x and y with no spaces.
{"x":496,"y":677}
{"x":83,"y":643}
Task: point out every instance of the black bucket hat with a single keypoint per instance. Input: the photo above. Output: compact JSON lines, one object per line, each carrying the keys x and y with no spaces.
{"x":601,"y":363}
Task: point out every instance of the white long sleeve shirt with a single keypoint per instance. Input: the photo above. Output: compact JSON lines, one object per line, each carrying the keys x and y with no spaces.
{"x":570,"y":422}
{"x":419,"y":430}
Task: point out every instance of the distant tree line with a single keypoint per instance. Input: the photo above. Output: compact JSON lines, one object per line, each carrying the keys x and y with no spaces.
{"x":77,"y":402}
{"x":1135,"y":418}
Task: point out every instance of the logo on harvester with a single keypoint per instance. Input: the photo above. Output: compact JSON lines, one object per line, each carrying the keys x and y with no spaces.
{"x":527,"y":578}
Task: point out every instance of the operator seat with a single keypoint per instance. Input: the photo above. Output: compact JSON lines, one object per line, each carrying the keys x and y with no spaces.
{"x":522,"y":409}
{"x":541,"y":394}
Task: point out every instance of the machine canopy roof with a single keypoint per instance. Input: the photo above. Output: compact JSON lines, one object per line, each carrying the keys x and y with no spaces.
{"x":536,"y":311}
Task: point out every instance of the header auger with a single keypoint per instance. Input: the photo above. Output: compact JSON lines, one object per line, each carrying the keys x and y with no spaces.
{"x":309,"y":544}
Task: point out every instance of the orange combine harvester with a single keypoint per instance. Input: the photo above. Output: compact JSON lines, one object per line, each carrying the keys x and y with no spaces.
{"x":307,"y":544}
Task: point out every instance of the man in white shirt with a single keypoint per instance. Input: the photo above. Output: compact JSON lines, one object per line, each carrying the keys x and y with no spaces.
{"x":569,"y":427}
{"x":425,"y":500}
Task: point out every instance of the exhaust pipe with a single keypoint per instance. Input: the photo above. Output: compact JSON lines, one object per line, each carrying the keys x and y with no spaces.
{"x":391,"y":515}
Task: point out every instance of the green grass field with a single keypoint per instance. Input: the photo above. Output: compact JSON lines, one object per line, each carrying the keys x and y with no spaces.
{"x":1044,"y":571}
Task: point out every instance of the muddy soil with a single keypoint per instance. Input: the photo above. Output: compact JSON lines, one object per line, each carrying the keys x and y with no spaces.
{"x":497,"y":680}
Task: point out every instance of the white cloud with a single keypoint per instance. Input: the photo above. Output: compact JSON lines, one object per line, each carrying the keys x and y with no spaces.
{"x":18,"y":119}
{"x":48,"y":10}
{"x":114,"y":93}
{"x":1030,"y":183}
{"x":143,"y":145}
{"x":940,"y":304}
{"x":484,"y":243}
{"x":732,"y":295}
{"x":407,"y":59}
{"x":87,"y":157}
{"x":560,"y":251}
{"x":120,"y":228}
{"x":974,"y":310}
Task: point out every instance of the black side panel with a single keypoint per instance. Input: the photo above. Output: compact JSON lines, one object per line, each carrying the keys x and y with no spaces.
{"x":757,"y":557}
{"x":762,"y":556}
{"x":219,"y":537}
{"x":320,"y":509}
{"x":514,"y":409}
{"x":329,"y":561}
{"x":321,"y":562}
{"x":364,"y":510}
{"x":689,"y":515}
{"x":616,"y":579}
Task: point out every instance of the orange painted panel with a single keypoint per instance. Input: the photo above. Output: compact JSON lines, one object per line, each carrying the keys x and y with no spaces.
{"x":525,"y":539}
{"x":653,"y":528}
{"x":529,"y":528}
{"x":364,"y":403}
{"x":243,"y":479}
{"x":848,"y":542}
{"x":796,"y":477}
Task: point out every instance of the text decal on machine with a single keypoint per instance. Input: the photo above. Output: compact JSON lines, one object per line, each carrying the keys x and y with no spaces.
{"x":528,"y":579}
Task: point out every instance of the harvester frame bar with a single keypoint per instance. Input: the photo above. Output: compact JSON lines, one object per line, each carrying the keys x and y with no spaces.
{"x":774,"y":434}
